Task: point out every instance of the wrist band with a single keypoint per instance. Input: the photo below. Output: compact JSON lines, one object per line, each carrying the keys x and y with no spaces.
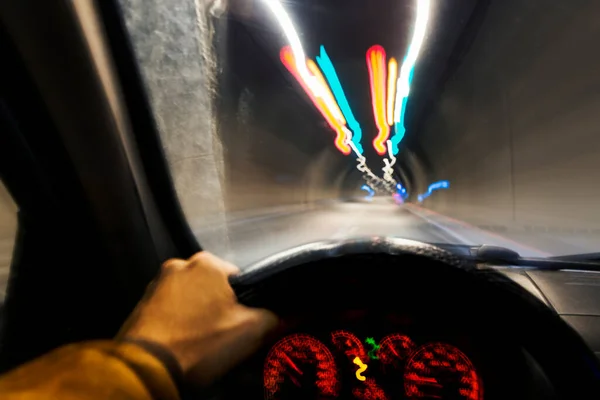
{"x":164,"y":356}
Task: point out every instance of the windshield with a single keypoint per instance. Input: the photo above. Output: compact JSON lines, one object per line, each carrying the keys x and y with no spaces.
{"x":455,"y":121}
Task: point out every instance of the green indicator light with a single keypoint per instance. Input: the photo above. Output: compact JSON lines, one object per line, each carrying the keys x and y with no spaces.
{"x":374,"y":348}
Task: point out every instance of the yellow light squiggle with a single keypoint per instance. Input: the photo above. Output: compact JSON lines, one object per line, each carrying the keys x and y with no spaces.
{"x":362,"y":368}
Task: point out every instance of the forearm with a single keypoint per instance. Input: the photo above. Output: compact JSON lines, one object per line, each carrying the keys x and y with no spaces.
{"x":91,"y":370}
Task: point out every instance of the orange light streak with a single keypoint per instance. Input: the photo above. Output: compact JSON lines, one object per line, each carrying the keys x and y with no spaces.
{"x":287,"y":58}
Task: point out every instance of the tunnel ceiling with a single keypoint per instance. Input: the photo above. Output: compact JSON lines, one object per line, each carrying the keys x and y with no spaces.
{"x":255,"y":80}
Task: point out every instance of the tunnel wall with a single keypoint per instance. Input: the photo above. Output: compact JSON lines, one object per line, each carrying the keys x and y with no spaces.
{"x":173,"y":44}
{"x":516,"y":129}
{"x":278,"y":150}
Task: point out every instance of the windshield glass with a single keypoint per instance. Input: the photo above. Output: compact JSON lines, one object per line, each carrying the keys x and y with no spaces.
{"x":455,"y":121}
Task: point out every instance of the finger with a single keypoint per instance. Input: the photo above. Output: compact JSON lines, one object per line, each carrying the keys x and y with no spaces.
{"x":208,"y":259}
{"x":174,"y":264}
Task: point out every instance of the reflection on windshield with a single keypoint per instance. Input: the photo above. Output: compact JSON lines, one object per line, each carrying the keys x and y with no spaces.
{"x":455,"y":121}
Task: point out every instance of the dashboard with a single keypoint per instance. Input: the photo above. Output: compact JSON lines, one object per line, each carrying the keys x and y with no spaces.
{"x":302,"y":366}
{"x":414,"y":324}
{"x":368,"y":354}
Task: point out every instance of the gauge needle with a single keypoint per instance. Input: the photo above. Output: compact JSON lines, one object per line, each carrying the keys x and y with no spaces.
{"x":291,"y":363}
{"x":422,"y":379}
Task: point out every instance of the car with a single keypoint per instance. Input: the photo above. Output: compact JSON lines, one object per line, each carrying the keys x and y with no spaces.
{"x":481,"y":283}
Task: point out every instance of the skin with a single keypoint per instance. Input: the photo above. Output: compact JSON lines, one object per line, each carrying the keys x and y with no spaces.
{"x":192,"y":311}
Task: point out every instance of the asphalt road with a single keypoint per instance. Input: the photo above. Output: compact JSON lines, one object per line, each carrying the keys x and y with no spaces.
{"x":251,"y":239}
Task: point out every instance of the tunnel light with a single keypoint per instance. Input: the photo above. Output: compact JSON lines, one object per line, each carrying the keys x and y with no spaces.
{"x":376,"y":62}
{"x":398,"y":198}
{"x":368,"y":189}
{"x":433,"y":187}
{"x":294,"y":58}
{"x":407,"y":72}
{"x":391,"y":89}
{"x":388,"y":169}
{"x":327,"y":95}
{"x":334,"y":83}
{"x":401,"y":191}
{"x":341,"y":139}
{"x":289,"y":30}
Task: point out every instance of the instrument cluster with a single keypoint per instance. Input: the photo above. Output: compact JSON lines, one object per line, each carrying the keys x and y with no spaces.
{"x":346,"y":366}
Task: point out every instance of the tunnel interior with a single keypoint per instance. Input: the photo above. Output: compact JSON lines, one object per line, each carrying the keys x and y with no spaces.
{"x":499,"y":124}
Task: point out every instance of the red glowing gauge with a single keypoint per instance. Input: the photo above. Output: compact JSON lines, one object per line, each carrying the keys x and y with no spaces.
{"x":369,"y":391}
{"x":300,"y":366}
{"x":441,"y":371}
{"x":395,"y":349}
{"x":350,"y":345}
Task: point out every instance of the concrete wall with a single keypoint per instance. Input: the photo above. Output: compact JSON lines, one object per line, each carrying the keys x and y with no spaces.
{"x":517,"y":128}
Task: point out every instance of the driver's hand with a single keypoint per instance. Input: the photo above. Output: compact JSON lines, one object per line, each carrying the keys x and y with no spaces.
{"x":192,"y":311}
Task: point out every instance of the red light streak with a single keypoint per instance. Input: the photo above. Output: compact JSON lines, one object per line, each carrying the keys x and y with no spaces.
{"x":287,"y":58}
{"x":377,"y":75}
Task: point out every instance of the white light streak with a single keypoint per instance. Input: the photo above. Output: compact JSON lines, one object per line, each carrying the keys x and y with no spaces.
{"x":403,"y":85}
{"x":311,"y":81}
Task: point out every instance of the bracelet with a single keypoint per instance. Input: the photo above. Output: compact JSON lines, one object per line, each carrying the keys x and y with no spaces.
{"x":164,"y":356}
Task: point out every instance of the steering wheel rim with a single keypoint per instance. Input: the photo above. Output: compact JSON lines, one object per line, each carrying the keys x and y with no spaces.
{"x":572,"y":366}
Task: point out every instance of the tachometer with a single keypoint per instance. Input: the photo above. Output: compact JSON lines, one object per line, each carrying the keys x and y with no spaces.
{"x":350,"y":345}
{"x":441,"y":371}
{"x":299,"y":366}
{"x":395,"y":349}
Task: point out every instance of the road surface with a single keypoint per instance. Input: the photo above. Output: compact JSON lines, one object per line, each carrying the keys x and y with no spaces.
{"x":258,"y":236}
{"x":254,"y":238}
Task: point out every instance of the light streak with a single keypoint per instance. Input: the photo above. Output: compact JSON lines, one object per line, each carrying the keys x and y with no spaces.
{"x":401,"y":191}
{"x":391,"y":89}
{"x":434,"y":186}
{"x":289,"y":30}
{"x":362,"y":368}
{"x":388,"y":169}
{"x":318,"y":92}
{"x":407,"y":72}
{"x":398,"y":198}
{"x":312,"y":67}
{"x":369,"y":190}
{"x":289,"y":61}
{"x":334,"y":83}
{"x":377,"y":77}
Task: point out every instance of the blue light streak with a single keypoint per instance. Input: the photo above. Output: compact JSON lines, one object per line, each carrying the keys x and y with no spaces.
{"x":368,"y":189}
{"x":401,"y":191}
{"x":433,"y":187}
{"x":326,"y":66}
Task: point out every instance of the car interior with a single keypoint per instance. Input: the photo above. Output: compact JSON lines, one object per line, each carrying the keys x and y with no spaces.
{"x":374,"y":317}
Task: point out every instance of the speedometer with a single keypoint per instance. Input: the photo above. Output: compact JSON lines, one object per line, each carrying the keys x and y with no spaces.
{"x":441,"y":371}
{"x":300,"y":367}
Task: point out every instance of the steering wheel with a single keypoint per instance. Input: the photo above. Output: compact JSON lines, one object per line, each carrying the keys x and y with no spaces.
{"x":385,"y":272}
